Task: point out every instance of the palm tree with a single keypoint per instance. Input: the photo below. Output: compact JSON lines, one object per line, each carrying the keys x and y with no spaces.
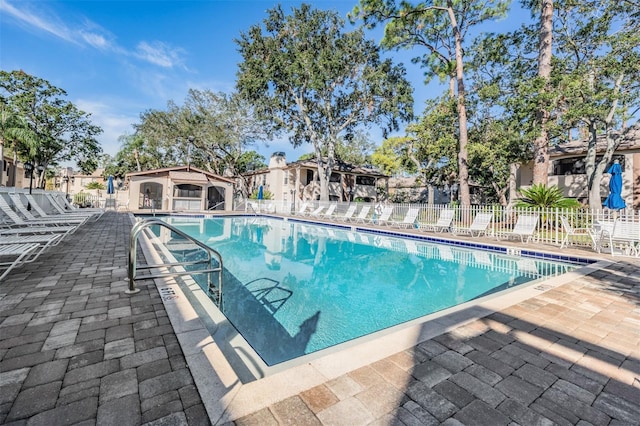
{"x":541,"y":196}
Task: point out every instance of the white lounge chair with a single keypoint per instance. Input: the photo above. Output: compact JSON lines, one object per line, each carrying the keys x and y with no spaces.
{"x":36,"y":206}
{"x":348,"y":214}
{"x":329,"y":213}
{"x":384,"y":217}
{"x":317,"y":212}
{"x":409,"y":219}
{"x":525,"y":227}
{"x":64,"y":219}
{"x":62,"y":206}
{"x":45,"y":240}
{"x":302,"y":210}
{"x":480,"y":225}
{"x":12,"y":255}
{"x":625,"y":235}
{"x":570,"y":231}
{"x":443,"y":223}
{"x":363,"y":215}
{"x":20,"y":222}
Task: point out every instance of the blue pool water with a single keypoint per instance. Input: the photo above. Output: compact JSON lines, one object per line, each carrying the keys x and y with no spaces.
{"x":293,"y":288}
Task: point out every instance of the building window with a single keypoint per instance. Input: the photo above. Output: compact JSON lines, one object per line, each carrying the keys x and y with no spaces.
{"x":365,"y":180}
{"x":187,"y":191}
{"x":335,"y":177}
{"x":576,"y":165}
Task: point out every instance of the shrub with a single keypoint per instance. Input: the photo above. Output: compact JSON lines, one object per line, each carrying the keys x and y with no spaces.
{"x":542,"y":196}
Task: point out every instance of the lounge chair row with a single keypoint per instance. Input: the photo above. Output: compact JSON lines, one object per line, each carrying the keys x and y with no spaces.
{"x":27,"y":229}
{"x":524,"y":228}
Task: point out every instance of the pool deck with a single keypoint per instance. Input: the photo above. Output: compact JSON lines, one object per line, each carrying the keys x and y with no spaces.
{"x":76,"y":349}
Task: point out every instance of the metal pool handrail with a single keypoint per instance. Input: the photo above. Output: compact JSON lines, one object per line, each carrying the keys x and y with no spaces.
{"x":215,"y":291}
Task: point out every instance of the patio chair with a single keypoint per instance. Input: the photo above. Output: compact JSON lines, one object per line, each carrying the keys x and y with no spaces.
{"x":45,"y":240}
{"x":67,"y":220}
{"x":570,"y":231}
{"x":62,"y":206}
{"x":317,"y":212}
{"x":348,"y":214}
{"x":302,"y":210}
{"x":384,"y":217}
{"x":363,"y":215}
{"x":525,"y":227}
{"x":626,"y":235}
{"x":20,"y":222}
{"x":38,"y":209}
{"x":480,"y":225}
{"x":329,"y":213}
{"x":12,"y":255}
{"x":443,"y":223}
{"x":409,"y":220}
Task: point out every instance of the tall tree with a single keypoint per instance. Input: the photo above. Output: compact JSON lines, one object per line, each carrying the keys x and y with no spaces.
{"x":61,"y":131}
{"x":598,"y":59}
{"x":593,"y":88}
{"x":210,"y":131}
{"x":312,"y":79}
{"x":545,"y":51}
{"x":440,"y":26}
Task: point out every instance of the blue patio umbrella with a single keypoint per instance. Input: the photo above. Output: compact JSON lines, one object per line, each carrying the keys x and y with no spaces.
{"x":260,"y":193}
{"x":110,"y":189}
{"x":614,"y":201}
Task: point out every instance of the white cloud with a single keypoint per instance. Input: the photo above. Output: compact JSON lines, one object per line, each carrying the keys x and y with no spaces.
{"x":44,"y":23}
{"x":159,"y":53}
{"x":88,"y":33}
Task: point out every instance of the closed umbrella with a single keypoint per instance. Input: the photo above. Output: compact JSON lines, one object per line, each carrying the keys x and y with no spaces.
{"x":260,"y":193}
{"x":614,"y":201}
{"x":110,"y":189}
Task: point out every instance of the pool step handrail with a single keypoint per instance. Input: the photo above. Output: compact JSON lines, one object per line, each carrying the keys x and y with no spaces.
{"x":214,"y":290}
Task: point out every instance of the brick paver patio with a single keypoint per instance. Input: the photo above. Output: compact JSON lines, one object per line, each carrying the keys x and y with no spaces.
{"x":75,"y":349}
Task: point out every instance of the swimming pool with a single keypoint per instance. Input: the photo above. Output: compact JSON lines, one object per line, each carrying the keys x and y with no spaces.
{"x":292,"y":288}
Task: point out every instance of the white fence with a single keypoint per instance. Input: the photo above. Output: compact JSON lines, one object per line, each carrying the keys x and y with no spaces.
{"x":548,"y":231}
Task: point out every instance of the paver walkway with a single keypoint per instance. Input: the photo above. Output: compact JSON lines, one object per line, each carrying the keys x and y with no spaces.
{"x":75,"y":349}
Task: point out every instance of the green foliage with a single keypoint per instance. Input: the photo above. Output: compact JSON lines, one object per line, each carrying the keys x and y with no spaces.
{"x":440,"y":27}
{"x":593,"y":87}
{"x":307,"y":156}
{"x":266,"y":194}
{"x":210,"y":131}
{"x":59,"y":130}
{"x":545,"y":197}
{"x":311,"y":79}
{"x":250,"y":160}
{"x":94,"y":185}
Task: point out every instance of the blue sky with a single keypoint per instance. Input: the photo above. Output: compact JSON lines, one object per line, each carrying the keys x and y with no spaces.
{"x":116,"y":59}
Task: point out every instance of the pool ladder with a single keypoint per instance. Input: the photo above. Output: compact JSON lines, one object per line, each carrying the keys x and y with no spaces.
{"x":214,"y":286}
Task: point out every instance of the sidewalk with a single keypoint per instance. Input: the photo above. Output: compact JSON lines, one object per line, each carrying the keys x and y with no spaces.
{"x":74,"y":348}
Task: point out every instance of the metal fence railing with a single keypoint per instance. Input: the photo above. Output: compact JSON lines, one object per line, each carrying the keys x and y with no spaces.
{"x":549,"y":230}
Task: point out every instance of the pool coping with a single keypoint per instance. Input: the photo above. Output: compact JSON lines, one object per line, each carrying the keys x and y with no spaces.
{"x":227,"y":397}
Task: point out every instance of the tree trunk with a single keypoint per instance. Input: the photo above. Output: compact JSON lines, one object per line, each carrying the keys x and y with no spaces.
{"x":463,"y":166}
{"x":541,"y":143}
{"x":1,"y":160}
